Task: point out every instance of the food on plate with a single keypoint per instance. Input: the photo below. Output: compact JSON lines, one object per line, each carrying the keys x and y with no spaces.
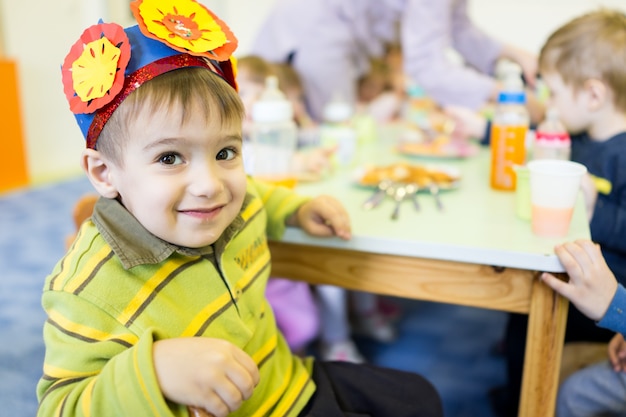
{"x":422,"y":175}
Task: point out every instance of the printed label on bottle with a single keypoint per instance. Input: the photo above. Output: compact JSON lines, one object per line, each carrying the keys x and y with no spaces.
{"x":507,"y":150}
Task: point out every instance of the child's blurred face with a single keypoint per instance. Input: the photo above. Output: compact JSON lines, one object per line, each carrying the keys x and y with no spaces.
{"x":571,"y":104}
{"x":184,"y":183}
{"x":249,"y":89}
{"x":371,"y":87}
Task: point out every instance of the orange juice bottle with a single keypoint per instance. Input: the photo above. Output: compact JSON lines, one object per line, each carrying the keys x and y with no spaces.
{"x":508,"y":135}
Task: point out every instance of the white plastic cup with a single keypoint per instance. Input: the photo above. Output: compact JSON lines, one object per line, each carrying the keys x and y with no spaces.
{"x":554,"y":187}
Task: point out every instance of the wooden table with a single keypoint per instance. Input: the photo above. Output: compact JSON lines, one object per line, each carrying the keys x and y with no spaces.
{"x":475,"y":253}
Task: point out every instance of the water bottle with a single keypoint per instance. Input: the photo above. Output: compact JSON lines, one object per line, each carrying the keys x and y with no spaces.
{"x":509,"y":128}
{"x":338,"y":131}
{"x":552,"y":141}
{"x":274,"y":136}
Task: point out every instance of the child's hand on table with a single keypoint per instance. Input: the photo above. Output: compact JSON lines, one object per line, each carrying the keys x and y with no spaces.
{"x":322,"y":216}
{"x":591,"y":285}
{"x":211,"y":374}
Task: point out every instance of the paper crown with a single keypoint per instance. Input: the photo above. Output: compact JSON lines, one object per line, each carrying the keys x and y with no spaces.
{"x":109,"y":62}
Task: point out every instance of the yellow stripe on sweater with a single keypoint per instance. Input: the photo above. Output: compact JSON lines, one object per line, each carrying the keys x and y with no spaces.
{"x":207,"y":311}
{"x":271,"y":401}
{"x":148,"y":288}
{"x":88,"y":332}
{"x":290,"y":399}
{"x":261,"y":263}
{"x":142,"y":384}
{"x":62,"y":373}
{"x":68,"y":265}
{"x":88,"y":269}
{"x":252,"y":208}
{"x":85,"y":400}
{"x":265,"y":350}
{"x":57,"y":411}
{"x":217,"y":305}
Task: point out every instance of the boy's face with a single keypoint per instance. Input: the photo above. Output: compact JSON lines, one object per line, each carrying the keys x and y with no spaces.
{"x":572,"y":105}
{"x":184,"y":183}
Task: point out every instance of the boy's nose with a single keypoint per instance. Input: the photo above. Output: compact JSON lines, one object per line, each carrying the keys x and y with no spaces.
{"x":205,"y":180}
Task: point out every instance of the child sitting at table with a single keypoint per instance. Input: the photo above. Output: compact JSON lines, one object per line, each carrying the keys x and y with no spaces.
{"x":381,"y":90}
{"x":311,"y":160}
{"x":582,"y":64}
{"x":159,"y":305}
{"x":600,"y":389}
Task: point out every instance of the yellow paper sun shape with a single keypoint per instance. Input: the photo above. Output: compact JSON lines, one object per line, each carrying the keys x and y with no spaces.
{"x":95,"y":69}
{"x":186,"y":26}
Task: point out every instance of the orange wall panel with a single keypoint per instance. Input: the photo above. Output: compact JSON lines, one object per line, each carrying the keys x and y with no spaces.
{"x":13,"y":169}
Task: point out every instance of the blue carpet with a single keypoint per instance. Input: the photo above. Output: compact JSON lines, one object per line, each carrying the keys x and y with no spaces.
{"x":449,"y":345}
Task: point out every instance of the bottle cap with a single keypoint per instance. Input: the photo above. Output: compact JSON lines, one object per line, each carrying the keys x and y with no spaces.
{"x":272,"y":106}
{"x":561,"y":138}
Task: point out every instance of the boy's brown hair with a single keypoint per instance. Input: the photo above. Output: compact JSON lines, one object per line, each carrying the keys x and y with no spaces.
{"x":184,"y":87}
{"x":592,"y":46}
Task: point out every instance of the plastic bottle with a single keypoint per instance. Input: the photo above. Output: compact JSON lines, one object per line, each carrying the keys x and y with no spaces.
{"x":338,"y":130}
{"x":274,"y":137}
{"x":418,"y":106}
{"x":552,"y":140}
{"x":508,"y":133}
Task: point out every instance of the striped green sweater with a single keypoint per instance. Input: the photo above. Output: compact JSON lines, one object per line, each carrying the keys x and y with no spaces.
{"x":119,"y":289}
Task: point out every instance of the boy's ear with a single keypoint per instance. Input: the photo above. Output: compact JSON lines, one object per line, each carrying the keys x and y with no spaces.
{"x":597,"y":93}
{"x":98,"y":171}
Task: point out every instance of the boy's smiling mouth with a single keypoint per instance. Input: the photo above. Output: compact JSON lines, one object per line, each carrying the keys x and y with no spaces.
{"x":203,"y":213}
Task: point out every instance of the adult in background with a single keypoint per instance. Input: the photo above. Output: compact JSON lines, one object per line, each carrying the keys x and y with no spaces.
{"x":331,"y":42}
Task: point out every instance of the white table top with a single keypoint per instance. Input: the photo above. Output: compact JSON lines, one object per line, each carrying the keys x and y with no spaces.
{"x":478,"y":225}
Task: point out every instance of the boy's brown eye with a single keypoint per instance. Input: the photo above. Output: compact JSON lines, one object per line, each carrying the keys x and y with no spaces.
{"x":225,"y":154}
{"x":169,"y":159}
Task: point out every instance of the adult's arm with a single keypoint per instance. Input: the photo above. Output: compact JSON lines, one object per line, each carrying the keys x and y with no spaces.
{"x":429,"y":28}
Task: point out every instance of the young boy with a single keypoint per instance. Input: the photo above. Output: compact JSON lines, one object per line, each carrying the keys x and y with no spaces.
{"x":600,"y":389}
{"x":583,"y":66}
{"x":159,"y":304}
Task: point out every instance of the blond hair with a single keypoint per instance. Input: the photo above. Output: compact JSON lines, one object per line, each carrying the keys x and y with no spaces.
{"x":592,"y":46}
{"x":184,"y":87}
{"x":258,"y":68}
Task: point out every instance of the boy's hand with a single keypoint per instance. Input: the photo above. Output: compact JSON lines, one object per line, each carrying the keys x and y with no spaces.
{"x":322,"y":216}
{"x":207,"y":373}
{"x":617,"y":353}
{"x":591,"y":285}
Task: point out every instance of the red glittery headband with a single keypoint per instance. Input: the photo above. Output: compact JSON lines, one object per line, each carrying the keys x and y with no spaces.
{"x":136,"y":79}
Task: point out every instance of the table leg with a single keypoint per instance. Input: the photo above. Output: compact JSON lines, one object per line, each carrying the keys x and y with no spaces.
{"x":544,"y":347}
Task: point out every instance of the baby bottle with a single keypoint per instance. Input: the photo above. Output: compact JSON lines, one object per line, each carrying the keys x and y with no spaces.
{"x":552,"y":140}
{"x":338,"y":131}
{"x":274,"y":137}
